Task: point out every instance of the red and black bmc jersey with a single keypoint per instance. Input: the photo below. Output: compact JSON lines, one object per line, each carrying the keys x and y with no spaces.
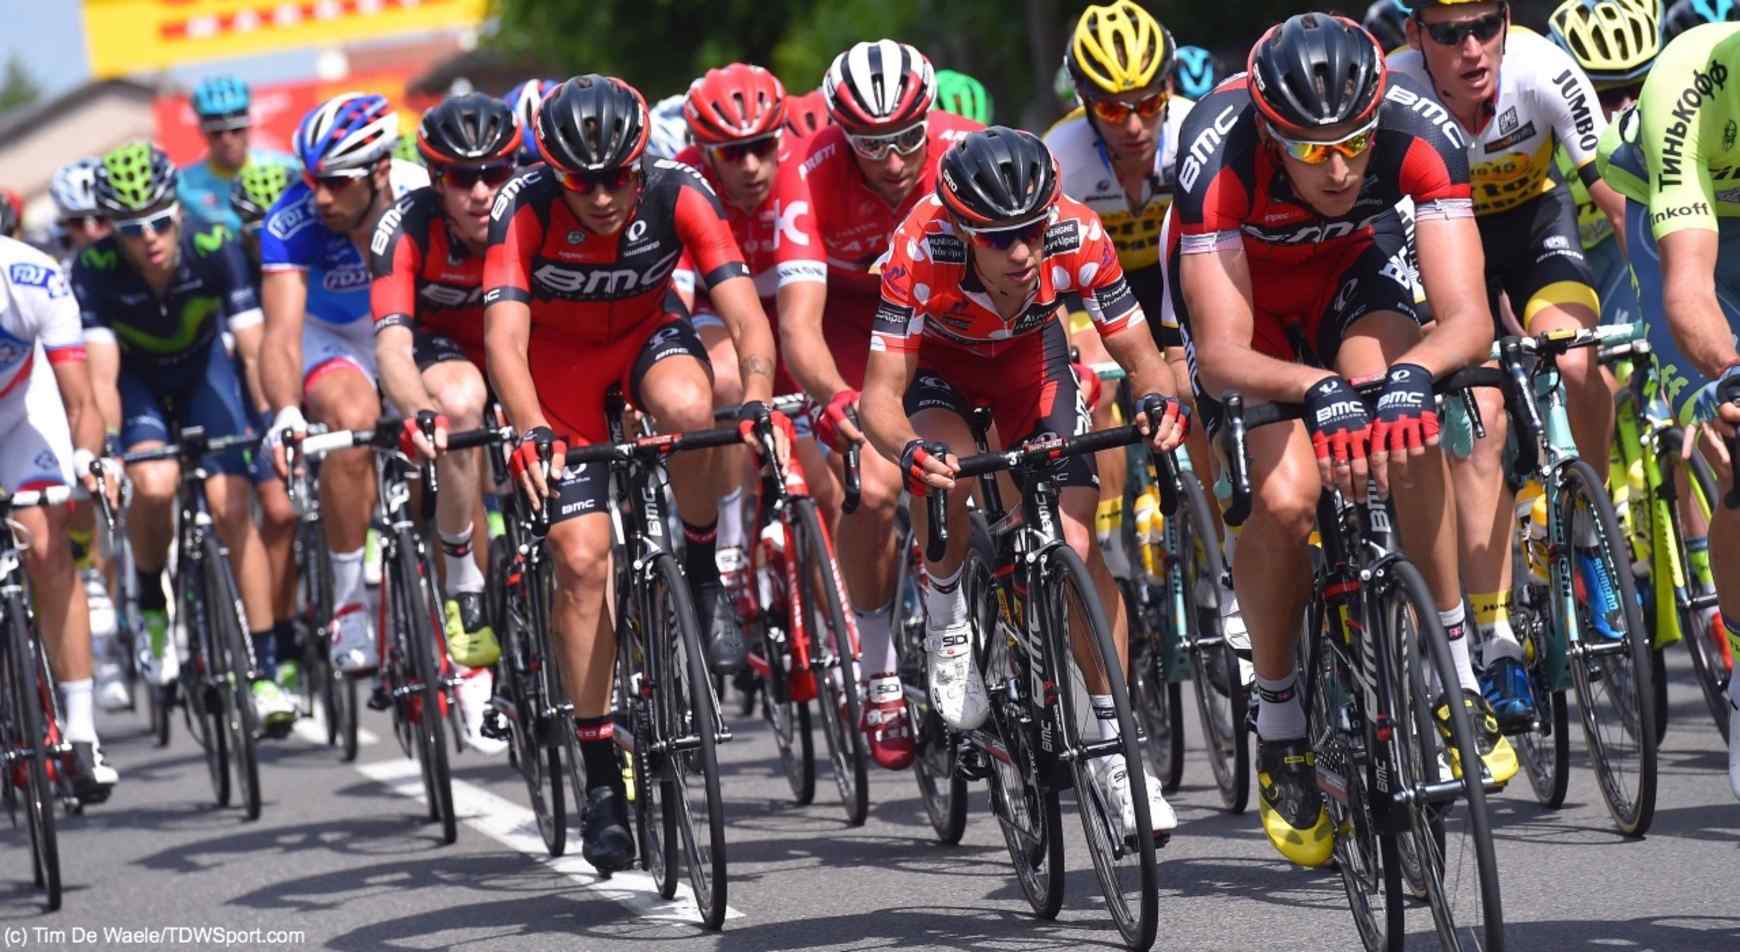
{"x":424,"y":276}
{"x":587,"y":289}
{"x":1232,"y":187}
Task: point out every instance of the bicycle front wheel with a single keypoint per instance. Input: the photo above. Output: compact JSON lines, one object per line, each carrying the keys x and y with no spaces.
{"x":419,"y":628}
{"x":941,"y":787}
{"x":523,"y":650}
{"x":838,"y":704}
{"x":1221,"y":698}
{"x":231,"y":655}
{"x":1079,"y":638}
{"x":24,"y":736}
{"x":1609,"y":656}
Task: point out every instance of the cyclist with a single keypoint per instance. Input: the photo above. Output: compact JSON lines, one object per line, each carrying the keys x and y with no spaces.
{"x":523,"y":100}
{"x":75,"y":206}
{"x":1685,"y":14}
{"x":971,"y":315}
{"x":1291,"y":277}
{"x":1386,"y":20}
{"x":257,"y":187}
{"x":222,"y":105}
{"x":578,"y":299}
{"x":1683,"y":238}
{"x":427,"y":299}
{"x":1514,"y":97}
{"x":860,"y":178}
{"x":155,"y":297}
{"x":669,"y":133}
{"x":964,"y":96}
{"x":46,"y":409}
{"x":1118,"y":154}
{"x":1196,"y":72}
{"x":319,"y":346}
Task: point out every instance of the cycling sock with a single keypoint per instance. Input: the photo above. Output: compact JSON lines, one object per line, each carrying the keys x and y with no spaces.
{"x":463,"y":575}
{"x":1492,"y":621}
{"x":1109,"y":530}
{"x":1105,"y":715}
{"x":347,"y":578}
{"x":598,"y":750}
{"x":492,"y":515}
{"x":731,"y":519}
{"x":151,"y":598}
{"x":82,"y":549}
{"x":1456,"y":629}
{"x":1698,"y":560}
{"x":287,"y":644}
{"x":876,"y":643}
{"x":80,"y":726}
{"x":944,"y":602}
{"x":265,"y":652}
{"x":700,"y":554}
{"x":1280,"y":715}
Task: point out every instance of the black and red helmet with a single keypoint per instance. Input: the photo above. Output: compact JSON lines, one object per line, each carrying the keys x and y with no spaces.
{"x":1315,"y":70}
{"x":591,"y":124}
{"x":998,"y":178}
{"x":471,"y":129}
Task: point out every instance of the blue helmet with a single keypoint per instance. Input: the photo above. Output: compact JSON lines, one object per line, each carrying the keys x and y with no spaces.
{"x":348,"y":131}
{"x":217,"y":96}
{"x":1195,"y":71}
{"x":524,"y":100}
{"x":1686,"y":14}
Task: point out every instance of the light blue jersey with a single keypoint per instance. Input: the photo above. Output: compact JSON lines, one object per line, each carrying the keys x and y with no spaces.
{"x":205,"y":192}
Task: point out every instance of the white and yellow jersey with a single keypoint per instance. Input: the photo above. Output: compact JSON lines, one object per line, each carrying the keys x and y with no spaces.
{"x":1088,"y":178}
{"x":1544,"y":100}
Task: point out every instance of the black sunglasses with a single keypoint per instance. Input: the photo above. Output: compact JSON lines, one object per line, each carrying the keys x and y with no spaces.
{"x":467,"y":177}
{"x":585,"y":182}
{"x":1002,"y":238}
{"x":760,"y":148}
{"x":1452,"y":34}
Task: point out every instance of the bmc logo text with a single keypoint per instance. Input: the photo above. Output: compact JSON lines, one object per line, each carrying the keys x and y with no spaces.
{"x":603,"y":282}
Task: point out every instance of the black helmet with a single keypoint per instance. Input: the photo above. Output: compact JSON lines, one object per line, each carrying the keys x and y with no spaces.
{"x":1316,"y":70}
{"x":592,"y":123}
{"x":470,"y":129}
{"x":997,"y":178}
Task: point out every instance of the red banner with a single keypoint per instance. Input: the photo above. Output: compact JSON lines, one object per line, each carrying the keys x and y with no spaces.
{"x":279,"y":108}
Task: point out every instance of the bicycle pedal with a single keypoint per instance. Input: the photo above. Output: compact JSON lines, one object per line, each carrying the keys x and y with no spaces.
{"x":493,"y":728}
{"x":970,"y":763}
{"x":379,"y":699}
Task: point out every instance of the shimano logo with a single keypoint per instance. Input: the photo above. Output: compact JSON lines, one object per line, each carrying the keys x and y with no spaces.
{"x":352,"y":278}
{"x":592,"y":282}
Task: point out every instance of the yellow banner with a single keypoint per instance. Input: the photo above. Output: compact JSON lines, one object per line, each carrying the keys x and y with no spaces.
{"x":132,"y":36}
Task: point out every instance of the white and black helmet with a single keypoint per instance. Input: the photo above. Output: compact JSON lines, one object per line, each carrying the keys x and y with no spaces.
{"x":881,"y":86}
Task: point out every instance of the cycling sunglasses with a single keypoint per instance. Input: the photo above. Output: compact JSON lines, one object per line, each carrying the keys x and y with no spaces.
{"x":875,"y":148}
{"x":234,"y":122}
{"x":1117,"y":112}
{"x":336,"y":181}
{"x":1313,"y":152}
{"x":466,"y":177}
{"x":585,"y":182}
{"x":1001,"y":238}
{"x":1452,"y":34}
{"x":761,"y":148}
{"x":156,"y":223}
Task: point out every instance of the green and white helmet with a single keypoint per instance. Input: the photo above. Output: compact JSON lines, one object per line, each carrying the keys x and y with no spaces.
{"x":134,"y":178}
{"x":256,"y":188}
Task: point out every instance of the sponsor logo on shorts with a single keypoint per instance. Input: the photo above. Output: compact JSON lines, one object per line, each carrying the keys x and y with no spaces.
{"x":1679,"y":211}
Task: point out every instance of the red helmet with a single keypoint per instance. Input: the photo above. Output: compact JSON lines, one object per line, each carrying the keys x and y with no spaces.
{"x":735,"y":103}
{"x":807,"y":115}
{"x":879,"y":86}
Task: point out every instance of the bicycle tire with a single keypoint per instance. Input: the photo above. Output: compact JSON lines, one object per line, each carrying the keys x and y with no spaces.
{"x":1627,"y":669}
{"x":690,"y":710}
{"x":224,"y":612}
{"x":654,"y":793}
{"x":203,"y":697}
{"x":26,"y":721}
{"x":420,"y":630}
{"x":941,"y":787}
{"x":1024,"y":802}
{"x":1416,"y":748}
{"x":1159,"y":699}
{"x":539,"y":765}
{"x":158,"y":701}
{"x":787,"y":717}
{"x":1136,"y":922}
{"x":1221,"y":696}
{"x":1703,"y":640}
{"x":838,"y":703}
{"x":1543,"y":751}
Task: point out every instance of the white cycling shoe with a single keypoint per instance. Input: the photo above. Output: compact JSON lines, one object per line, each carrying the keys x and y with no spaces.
{"x":474,"y":691}
{"x":956,"y":690}
{"x":1112,"y":776}
{"x":353,"y":640}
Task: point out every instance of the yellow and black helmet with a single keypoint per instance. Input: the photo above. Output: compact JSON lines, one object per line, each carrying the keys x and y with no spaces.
{"x":1615,"y":41}
{"x":1118,"y":48}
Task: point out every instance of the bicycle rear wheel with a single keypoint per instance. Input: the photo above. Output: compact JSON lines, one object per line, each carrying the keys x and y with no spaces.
{"x":418,"y":626}
{"x":24,"y":736}
{"x":941,"y":787}
{"x":838,"y":704}
{"x":1221,"y":698}
{"x":654,"y":793}
{"x":1158,"y":698}
{"x":523,"y":650}
{"x":1449,"y":841}
{"x":1613,"y":676}
{"x":1123,"y":860}
{"x":229,"y":628}
{"x":787,"y":717}
{"x":1693,"y":600}
{"x":1545,"y":750}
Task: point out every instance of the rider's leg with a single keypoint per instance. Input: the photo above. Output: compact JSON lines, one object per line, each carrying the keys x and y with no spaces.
{"x":1109,"y":514}
{"x":230,"y":499}
{"x":340,"y":395}
{"x":1570,"y":306}
{"x":735,"y":472}
{"x":278,"y":536}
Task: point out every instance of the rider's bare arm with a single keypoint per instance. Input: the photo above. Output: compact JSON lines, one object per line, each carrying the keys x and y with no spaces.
{"x":1217,"y":284}
{"x":1453,"y":268}
{"x":740,"y":308}
{"x":1688,"y":264}
{"x":507,"y":330}
{"x":284,"y":297}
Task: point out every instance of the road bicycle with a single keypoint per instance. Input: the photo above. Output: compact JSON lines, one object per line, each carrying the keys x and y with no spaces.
{"x":322,"y":683}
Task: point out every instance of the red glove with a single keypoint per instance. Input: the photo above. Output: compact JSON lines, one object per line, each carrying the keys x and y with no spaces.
{"x":781,"y":422}
{"x":1407,"y":413}
{"x":1336,"y":419}
{"x":412,"y":426}
{"x":829,"y":419}
{"x":538,"y":445}
{"x":912,"y":460}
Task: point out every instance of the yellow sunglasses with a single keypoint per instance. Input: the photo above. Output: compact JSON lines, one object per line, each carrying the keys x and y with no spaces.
{"x":1313,"y":152}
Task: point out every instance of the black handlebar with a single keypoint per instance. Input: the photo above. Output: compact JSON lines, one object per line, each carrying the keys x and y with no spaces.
{"x":854,"y":475}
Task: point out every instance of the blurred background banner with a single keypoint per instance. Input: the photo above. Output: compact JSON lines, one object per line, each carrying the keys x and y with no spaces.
{"x":124,"y":37}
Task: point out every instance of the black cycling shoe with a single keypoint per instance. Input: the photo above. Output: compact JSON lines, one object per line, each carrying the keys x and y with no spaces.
{"x":1291,"y":806}
{"x":604,"y":837}
{"x":92,"y":777}
{"x":725,"y":648}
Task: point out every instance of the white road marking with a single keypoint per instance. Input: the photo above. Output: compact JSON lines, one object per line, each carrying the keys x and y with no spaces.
{"x":515,"y":827}
{"x":313,"y":730}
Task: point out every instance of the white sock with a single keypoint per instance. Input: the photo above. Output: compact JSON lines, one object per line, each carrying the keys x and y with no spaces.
{"x":463,"y":575}
{"x":1499,"y":641}
{"x":944,"y":602}
{"x":1455,"y":626}
{"x":80,"y":726}
{"x":1280,"y":713}
{"x":876,"y":643}
{"x":1105,"y":715}
{"x":347,"y":577}
{"x":731,"y":520}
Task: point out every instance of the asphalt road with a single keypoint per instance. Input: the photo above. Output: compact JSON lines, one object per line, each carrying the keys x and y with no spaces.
{"x":342,"y":859}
